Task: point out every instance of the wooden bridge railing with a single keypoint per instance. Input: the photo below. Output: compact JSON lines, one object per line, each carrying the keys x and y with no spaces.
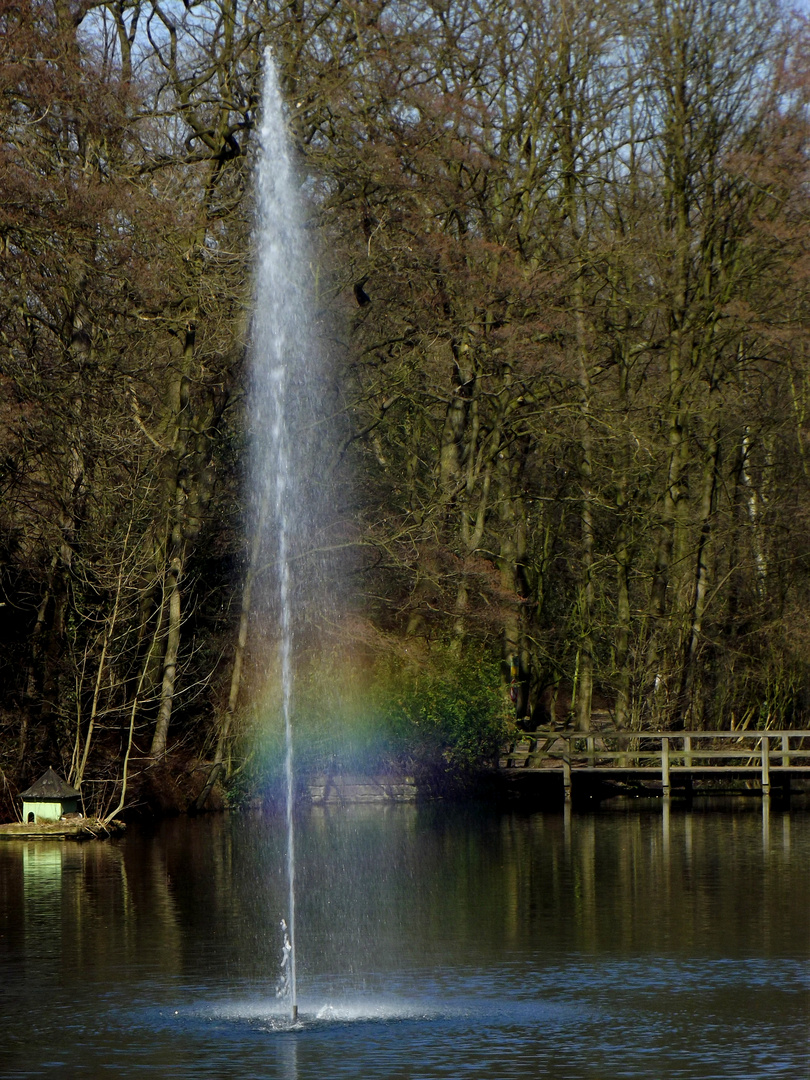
{"x":663,"y":753}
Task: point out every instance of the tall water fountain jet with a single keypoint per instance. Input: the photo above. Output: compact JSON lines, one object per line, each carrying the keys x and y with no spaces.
{"x":283,"y":420}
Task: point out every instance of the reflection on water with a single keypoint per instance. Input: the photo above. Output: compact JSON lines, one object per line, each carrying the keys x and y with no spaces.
{"x":433,"y":942}
{"x":289,"y":1059}
{"x":42,"y":907}
{"x":42,"y":882}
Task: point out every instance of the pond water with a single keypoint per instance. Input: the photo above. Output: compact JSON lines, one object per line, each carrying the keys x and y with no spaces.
{"x":433,"y":942}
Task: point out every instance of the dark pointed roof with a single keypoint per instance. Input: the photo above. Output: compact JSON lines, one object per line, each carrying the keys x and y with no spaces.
{"x":50,"y":786}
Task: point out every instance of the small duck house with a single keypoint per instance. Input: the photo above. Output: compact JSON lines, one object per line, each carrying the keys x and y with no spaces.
{"x":48,"y":799}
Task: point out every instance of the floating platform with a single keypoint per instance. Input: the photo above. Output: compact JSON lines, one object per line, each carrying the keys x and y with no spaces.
{"x":80,"y":829}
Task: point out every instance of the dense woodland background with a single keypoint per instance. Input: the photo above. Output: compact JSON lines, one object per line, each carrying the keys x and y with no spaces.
{"x":559,"y":263}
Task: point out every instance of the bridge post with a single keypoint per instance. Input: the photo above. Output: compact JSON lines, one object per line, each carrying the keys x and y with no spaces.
{"x":567,"y":772}
{"x":765,"y":743}
{"x":665,"y":767}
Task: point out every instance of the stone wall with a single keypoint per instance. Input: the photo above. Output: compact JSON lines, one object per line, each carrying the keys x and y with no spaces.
{"x":324,"y":790}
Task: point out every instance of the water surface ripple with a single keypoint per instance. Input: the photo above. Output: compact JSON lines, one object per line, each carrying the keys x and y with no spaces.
{"x":432,"y":943}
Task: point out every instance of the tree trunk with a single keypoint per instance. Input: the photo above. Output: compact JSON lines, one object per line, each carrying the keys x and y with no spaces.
{"x":690,"y":675}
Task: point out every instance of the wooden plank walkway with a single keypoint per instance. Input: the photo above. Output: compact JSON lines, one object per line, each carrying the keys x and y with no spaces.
{"x":666,"y":755}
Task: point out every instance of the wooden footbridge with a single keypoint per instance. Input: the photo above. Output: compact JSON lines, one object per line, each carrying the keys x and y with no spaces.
{"x":660,"y":760}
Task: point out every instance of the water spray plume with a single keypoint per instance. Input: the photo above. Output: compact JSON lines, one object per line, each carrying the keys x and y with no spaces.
{"x":281,"y":352}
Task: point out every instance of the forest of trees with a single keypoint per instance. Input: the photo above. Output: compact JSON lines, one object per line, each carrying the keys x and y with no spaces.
{"x":559,"y":263}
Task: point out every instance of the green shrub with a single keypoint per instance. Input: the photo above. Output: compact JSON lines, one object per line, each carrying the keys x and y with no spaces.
{"x":438,"y":719}
{"x":451,"y":714}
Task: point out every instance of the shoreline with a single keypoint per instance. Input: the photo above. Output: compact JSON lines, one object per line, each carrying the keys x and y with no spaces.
{"x":81,"y":830}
